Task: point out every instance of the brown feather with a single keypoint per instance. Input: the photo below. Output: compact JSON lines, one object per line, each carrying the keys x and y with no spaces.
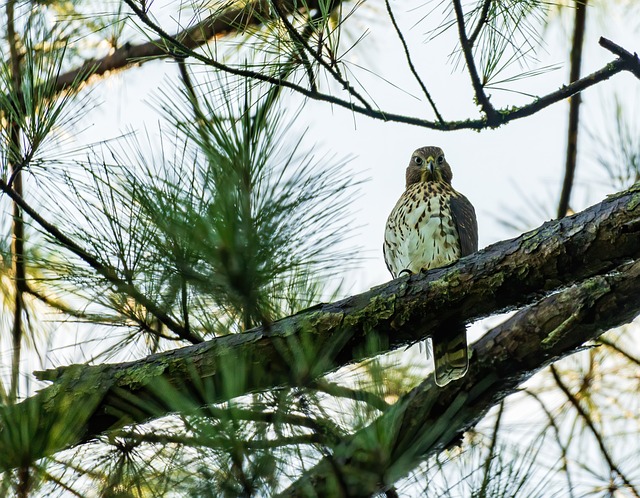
{"x":464,"y":218}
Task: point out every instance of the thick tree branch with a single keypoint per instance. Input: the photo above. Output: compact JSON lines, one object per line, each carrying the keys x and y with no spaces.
{"x":303,"y":347}
{"x":429,"y":419}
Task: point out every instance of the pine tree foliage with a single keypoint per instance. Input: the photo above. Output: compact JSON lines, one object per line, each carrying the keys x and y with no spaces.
{"x":218,"y":216}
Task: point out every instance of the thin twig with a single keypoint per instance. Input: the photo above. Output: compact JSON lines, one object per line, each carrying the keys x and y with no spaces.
{"x":574,"y":107}
{"x":467,"y":50}
{"x":610,"y":344}
{"x":221,"y":442}
{"x":492,"y":449}
{"x":349,"y":393}
{"x":484,"y":17}
{"x":410,"y":63}
{"x":632,"y":59}
{"x":17,"y":229}
{"x":297,"y":37}
{"x":556,"y":430}
{"x":589,"y":423}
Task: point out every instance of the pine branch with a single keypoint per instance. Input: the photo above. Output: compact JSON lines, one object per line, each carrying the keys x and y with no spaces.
{"x":106,"y":271}
{"x":186,"y":41}
{"x":227,"y":22}
{"x":305,"y":346}
{"x":302,"y":42}
{"x":492,"y":119}
{"x":233,"y":20}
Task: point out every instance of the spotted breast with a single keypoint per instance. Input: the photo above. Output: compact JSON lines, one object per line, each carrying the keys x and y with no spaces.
{"x":420,"y":232}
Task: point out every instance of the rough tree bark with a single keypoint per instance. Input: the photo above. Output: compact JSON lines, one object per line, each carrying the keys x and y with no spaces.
{"x":85,"y":401}
{"x":429,"y":418}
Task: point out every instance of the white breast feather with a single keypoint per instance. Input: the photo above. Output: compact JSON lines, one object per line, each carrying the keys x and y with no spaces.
{"x":423,"y":248}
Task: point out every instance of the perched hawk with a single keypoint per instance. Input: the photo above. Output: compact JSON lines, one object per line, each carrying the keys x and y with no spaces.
{"x":431,"y":226}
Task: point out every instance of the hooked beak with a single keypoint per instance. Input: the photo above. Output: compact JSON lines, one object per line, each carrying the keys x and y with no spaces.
{"x":431,"y":164}
{"x":429,"y":168}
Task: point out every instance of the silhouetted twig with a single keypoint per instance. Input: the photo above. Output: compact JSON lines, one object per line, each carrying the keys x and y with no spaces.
{"x":410,"y":63}
{"x":574,"y":107}
{"x":584,"y":415}
{"x":467,"y":50}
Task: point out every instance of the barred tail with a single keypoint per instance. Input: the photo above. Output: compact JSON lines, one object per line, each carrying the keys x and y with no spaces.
{"x":450,"y":354}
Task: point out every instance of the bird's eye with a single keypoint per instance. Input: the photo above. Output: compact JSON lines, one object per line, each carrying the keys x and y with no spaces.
{"x":418,"y":160}
{"x":440,"y":159}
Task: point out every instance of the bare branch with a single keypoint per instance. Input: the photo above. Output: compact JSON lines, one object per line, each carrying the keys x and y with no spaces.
{"x":610,"y":344}
{"x":579,"y":25}
{"x":632,"y":59}
{"x":410,"y":63}
{"x":467,"y":50}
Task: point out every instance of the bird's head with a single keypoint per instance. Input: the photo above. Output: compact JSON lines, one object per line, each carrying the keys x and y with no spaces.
{"x":428,"y":165}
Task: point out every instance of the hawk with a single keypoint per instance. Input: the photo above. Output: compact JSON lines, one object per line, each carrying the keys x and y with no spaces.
{"x":432,"y":226}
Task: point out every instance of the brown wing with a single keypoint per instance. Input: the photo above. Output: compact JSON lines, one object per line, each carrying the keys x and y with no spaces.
{"x":464,"y":219}
{"x":386,"y":261}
